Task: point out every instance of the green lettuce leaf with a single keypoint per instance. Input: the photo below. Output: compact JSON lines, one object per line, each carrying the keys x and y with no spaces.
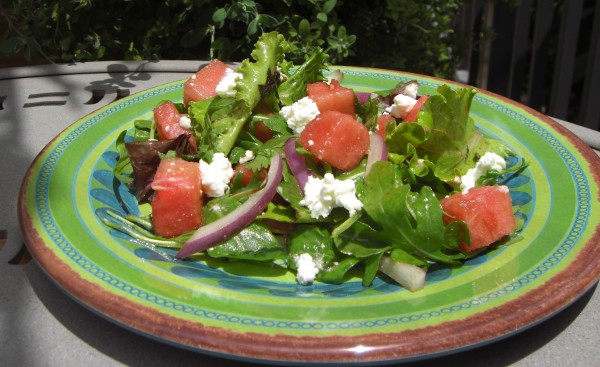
{"x":454,"y":144}
{"x":257,"y":76}
{"x":294,"y":88}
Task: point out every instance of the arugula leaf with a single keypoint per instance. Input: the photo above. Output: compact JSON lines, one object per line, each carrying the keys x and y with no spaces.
{"x":255,"y":242}
{"x":367,"y":112}
{"x":402,"y":256}
{"x":290,"y":191}
{"x":199,"y":114}
{"x":410,"y":221}
{"x":276,"y":123}
{"x":361,"y":241}
{"x":265,"y":151}
{"x":313,"y":240}
{"x":371,"y":268}
{"x":336,"y":273}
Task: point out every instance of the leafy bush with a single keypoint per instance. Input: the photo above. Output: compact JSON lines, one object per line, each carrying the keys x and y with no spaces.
{"x":411,"y":35}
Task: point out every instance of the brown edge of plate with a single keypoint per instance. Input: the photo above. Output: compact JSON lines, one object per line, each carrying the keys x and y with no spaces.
{"x":502,"y":321}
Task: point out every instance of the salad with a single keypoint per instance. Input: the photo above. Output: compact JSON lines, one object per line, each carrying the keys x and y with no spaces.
{"x":275,"y":162}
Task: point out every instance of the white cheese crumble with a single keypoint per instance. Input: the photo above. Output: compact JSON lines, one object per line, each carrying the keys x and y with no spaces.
{"x":185,"y":122}
{"x":216,"y":175}
{"x":411,"y":90}
{"x":299,"y":114}
{"x":401,"y":106}
{"x":248,"y":156}
{"x":307,"y":268}
{"x":488,"y":162}
{"x":282,"y":76}
{"x":322,"y":195}
{"x":226,"y":87}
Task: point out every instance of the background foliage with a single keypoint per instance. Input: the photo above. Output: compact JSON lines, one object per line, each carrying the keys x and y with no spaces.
{"x":410,"y":35}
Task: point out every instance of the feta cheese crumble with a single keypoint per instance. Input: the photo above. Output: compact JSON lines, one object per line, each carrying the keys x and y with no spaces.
{"x":307,"y":268}
{"x":185,"y":122}
{"x":322,"y":195}
{"x":226,"y":87}
{"x":488,"y":162}
{"x":401,"y":106}
{"x":216,"y":175}
{"x":299,"y":114}
{"x":411,"y":90}
{"x":248,"y":156}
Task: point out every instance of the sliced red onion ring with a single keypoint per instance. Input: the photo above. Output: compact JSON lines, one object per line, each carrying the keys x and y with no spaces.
{"x":218,"y":231}
{"x":362,"y":96}
{"x":296,"y":163}
{"x":377,"y":151}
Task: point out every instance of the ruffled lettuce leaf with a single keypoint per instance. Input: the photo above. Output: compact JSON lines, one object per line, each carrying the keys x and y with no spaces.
{"x":454,"y":144}
{"x":221,"y":126}
{"x":294,"y":88}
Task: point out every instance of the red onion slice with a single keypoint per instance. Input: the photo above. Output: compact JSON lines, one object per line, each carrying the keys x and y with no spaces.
{"x":218,"y":231}
{"x":296,"y":163}
{"x":377,"y":151}
{"x":362,"y":96}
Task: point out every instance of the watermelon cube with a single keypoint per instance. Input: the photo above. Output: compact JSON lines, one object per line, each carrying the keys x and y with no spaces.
{"x":332,"y":97}
{"x":336,"y":139}
{"x":166,"y":118}
{"x":487,"y":210}
{"x":203,"y":84}
{"x":177,"y":203}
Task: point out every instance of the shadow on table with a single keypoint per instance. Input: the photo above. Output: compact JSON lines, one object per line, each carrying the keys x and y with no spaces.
{"x":133,"y":349}
{"x":118,"y":80}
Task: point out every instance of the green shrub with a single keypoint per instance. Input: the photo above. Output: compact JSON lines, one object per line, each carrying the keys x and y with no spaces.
{"x":411,"y":35}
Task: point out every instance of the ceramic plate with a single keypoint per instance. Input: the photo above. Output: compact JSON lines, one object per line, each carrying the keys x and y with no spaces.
{"x":258,"y":312}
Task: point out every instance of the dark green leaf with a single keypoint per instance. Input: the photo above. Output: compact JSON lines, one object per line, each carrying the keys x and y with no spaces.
{"x":336,"y":274}
{"x":313,"y":240}
{"x":329,"y":6}
{"x":411,"y":221}
{"x":219,"y":15}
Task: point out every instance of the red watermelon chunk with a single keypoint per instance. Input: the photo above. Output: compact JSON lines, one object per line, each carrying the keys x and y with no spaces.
{"x":203,"y":84}
{"x":411,"y":116}
{"x":336,"y":139}
{"x":382,"y":122}
{"x":332,"y":97}
{"x":166,"y":117}
{"x":487,"y":210}
{"x":177,"y":203}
